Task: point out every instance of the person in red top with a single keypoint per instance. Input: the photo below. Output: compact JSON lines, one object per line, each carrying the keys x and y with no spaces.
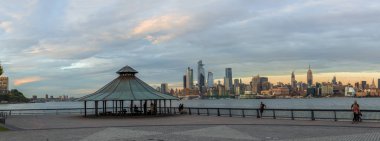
{"x":356,"y":111}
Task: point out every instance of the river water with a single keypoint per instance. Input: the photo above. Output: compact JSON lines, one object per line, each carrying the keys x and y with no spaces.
{"x":313,"y":103}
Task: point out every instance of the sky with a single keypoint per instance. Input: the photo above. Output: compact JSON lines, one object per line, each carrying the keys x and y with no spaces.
{"x":75,"y":47}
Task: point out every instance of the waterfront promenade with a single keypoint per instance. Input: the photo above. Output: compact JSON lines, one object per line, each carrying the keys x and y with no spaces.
{"x":182,"y":127}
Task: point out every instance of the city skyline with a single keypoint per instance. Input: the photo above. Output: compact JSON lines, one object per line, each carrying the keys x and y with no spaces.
{"x":61,"y":47}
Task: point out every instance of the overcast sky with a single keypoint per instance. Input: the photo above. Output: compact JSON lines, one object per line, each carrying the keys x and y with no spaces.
{"x":76,"y":46}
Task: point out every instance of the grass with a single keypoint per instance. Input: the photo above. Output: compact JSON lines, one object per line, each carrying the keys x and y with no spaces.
{"x":2,"y":128}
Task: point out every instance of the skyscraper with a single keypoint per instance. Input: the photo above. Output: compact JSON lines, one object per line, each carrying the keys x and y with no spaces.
{"x":201,"y":77}
{"x":334,"y":81}
{"x":164,"y":88}
{"x":373,"y":85}
{"x":309,"y":77}
{"x":227,"y":84}
{"x":184,"y":81}
{"x":189,"y":78}
{"x":228,"y":78}
{"x":256,"y":85}
{"x":210,"y":80}
{"x":293,"y":81}
{"x":364,"y":85}
{"x":4,"y":82}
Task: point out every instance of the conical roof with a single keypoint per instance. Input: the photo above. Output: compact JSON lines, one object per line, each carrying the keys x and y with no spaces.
{"x":127,"y":87}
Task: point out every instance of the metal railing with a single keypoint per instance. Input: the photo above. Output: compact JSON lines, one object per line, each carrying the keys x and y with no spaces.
{"x":293,"y":114}
{"x":3,"y":116}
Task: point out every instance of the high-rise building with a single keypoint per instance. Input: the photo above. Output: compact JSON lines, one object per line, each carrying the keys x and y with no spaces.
{"x":210,"y":80}
{"x":309,"y":77}
{"x":201,"y":77}
{"x":373,"y":85}
{"x":256,"y":85}
{"x":227,"y":84}
{"x":228,"y":78}
{"x":293,"y":81}
{"x":4,"y":82}
{"x":189,"y":78}
{"x":378,"y":83}
{"x":164,"y":88}
{"x":334,"y":81}
{"x":236,"y":86}
{"x":184,"y":82}
{"x":364,"y":85}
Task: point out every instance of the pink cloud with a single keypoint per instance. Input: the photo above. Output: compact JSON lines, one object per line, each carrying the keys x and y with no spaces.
{"x":26,"y":80}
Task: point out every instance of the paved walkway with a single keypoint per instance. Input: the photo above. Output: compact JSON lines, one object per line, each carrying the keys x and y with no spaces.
{"x":182,"y":128}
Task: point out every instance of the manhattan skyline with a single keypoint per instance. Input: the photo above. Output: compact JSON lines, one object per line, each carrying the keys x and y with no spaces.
{"x":70,"y":47}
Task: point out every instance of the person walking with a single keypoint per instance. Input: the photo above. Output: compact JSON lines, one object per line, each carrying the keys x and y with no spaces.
{"x":262,"y":108}
{"x":356,"y":111}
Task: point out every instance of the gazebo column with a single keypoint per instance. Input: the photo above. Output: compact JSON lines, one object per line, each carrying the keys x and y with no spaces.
{"x":116,"y":107}
{"x":165,"y":109}
{"x":141,"y":107}
{"x":145,"y":106}
{"x":113,"y":106}
{"x":96,"y":108}
{"x":170,"y":106}
{"x":159,"y":102}
{"x":131,"y":108}
{"x":155,"y":106}
{"x":85,"y":108}
{"x":121,"y":106}
{"x":105,"y":107}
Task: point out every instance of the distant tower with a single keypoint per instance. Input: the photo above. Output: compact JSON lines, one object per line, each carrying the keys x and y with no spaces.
{"x":189,"y":78}
{"x":210,"y":80}
{"x":201,"y":77}
{"x":373,"y":85}
{"x":4,"y":82}
{"x":228,"y":78}
{"x":309,"y":77}
{"x":334,"y":80}
{"x":293,"y":81}
{"x":184,"y":81}
{"x":164,"y":88}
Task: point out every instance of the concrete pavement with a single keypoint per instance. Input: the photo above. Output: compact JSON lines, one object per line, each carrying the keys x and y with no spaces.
{"x":184,"y":128}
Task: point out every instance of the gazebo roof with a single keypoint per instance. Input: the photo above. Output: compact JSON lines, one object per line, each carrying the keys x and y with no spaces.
{"x":127,"y":87}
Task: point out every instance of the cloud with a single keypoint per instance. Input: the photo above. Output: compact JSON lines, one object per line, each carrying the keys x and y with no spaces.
{"x":25,"y":80}
{"x":87,"y":63}
{"x":6,"y":26}
{"x":60,"y":49}
{"x":162,"y":28}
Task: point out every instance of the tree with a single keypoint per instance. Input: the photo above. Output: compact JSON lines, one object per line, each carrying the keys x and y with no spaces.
{"x":14,"y":96}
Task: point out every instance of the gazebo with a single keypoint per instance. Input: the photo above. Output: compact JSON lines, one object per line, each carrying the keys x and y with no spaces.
{"x":127,"y":87}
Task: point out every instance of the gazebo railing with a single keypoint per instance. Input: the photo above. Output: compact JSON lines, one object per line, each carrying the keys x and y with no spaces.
{"x":293,"y":114}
